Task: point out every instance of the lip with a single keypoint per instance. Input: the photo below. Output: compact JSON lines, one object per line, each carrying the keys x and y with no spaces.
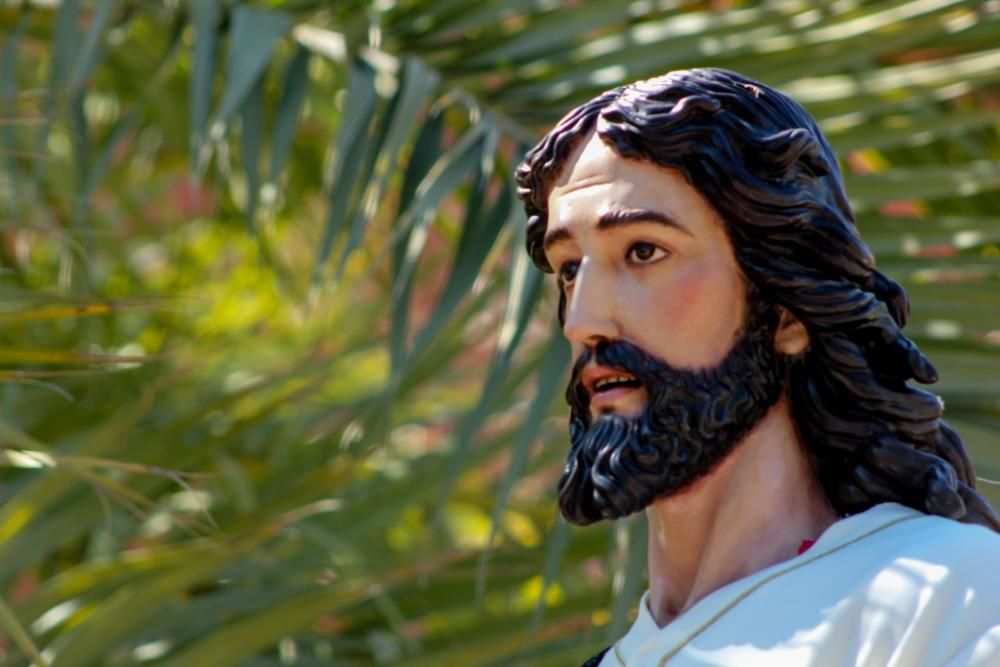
{"x":600,"y":401}
{"x":608,"y":400}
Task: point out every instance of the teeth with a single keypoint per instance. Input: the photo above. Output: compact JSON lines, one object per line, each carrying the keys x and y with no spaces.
{"x":612,"y":379}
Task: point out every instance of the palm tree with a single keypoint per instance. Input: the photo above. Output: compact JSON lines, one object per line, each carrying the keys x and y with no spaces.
{"x":280,"y":384}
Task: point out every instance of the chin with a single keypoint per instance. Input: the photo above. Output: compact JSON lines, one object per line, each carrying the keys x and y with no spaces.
{"x":627,"y":413}
{"x":619,"y":464}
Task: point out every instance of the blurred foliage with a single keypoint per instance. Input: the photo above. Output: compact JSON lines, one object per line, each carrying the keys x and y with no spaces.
{"x":280,"y":386}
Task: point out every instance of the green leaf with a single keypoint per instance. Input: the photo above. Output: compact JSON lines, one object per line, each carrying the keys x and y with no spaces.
{"x":352,"y":145}
{"x":920,"y":183}
{"x":634,"y":535}
{"x":844,"y":93}
{"x":425,"y":151}
{"x":255,"y":32}
{"x":252,"y":129}
{"x":412,"y":229}
{"x":522,"y":295}
{"x":14,"y":630}
{"x":205,"y":15}
{"x":126,"y":610}
{"x":890,"y":238}
{"x":8,"y":94}
{"x":479,"y":233}
{"x":333,"y":418}
{"x":88,"y":53}
{"x":295,"y":84}
{"x":244,"y":637}
{"x":555,"y":550}
{"x":550,"y":31}
{"x":417,"y":83}
{"x":64,"y":50}
{"x":65,"y":45}
{"x":652,"y":46}
{"x":120,"y":133}
{"x":550,"y":374}
{"x":444,"y":177}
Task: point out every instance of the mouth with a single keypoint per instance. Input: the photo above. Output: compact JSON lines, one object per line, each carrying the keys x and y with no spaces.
{"x":611,"y":383}
{"x":611,"y":390}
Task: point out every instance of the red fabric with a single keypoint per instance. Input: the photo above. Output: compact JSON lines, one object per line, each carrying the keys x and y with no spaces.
{"x":804,"y":547}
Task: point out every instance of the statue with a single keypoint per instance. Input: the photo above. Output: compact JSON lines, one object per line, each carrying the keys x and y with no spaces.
{"x":742,"y":377}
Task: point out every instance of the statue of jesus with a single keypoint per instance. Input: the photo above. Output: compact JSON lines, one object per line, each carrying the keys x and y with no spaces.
{"x":742,"y":377}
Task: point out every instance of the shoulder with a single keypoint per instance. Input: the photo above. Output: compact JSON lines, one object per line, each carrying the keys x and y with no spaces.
{"x":946,"y":542}
{"x":892,"y":529}
{"x":935,"y":595}
{"x":910,"y":551}
{"x":892,"y":586}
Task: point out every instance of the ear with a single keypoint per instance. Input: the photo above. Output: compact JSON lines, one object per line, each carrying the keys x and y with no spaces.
{"x":791,"y":337}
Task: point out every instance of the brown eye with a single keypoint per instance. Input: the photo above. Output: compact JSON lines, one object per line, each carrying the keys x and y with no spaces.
{"x":567,"y":271}
{"x":644,"y":253}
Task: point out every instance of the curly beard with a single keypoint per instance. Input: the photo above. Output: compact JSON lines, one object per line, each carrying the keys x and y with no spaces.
{"x":694,"y":418}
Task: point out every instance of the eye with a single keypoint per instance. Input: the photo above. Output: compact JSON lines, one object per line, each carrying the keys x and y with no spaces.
{"x":567,"y":271}
{"x":645,"y":253}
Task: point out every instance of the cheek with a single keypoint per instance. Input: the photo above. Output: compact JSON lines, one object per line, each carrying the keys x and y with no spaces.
{"x":688,"y":306}
{"x":695,"y":318}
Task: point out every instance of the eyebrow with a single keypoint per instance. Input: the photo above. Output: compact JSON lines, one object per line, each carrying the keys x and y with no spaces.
{"x":612,"y":219}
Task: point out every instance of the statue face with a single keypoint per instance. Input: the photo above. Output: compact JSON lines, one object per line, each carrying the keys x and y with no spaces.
{"x":643,"y":258}
{"x":675,"y":365}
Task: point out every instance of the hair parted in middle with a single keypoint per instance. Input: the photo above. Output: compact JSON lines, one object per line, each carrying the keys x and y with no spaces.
{"x":759,"y":159}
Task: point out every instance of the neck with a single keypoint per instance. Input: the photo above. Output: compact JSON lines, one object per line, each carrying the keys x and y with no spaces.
{"x":752,"y":511}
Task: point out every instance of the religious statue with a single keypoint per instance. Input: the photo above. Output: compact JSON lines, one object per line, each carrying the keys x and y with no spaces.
{"x":742,"y":376}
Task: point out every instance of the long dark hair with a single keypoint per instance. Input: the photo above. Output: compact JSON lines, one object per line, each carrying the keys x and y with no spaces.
{"x":758,"y":157}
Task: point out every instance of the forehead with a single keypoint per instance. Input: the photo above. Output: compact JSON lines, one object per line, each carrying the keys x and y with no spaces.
{"x":596,"y":180}
{"x":594,"y":162}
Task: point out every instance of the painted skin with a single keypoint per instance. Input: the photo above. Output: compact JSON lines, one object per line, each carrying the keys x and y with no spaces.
{"x":625,"y":234}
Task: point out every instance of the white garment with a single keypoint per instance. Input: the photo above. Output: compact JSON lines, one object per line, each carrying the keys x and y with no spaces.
{"x":890,"y":587}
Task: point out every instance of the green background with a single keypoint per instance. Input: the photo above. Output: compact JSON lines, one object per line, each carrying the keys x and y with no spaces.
{"x":280,"y":387}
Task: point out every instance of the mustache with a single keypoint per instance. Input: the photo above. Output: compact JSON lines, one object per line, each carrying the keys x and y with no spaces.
{"x":617,"y":355}
{"x":693,"y":418}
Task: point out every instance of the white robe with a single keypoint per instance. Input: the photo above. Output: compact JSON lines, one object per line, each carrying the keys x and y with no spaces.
{"x":890,"y":587}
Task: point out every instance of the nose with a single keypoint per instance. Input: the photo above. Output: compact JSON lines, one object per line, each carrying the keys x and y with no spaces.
{"x":590,"y":314}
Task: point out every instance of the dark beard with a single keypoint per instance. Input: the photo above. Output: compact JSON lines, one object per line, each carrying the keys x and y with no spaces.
{"x":693,"y":419}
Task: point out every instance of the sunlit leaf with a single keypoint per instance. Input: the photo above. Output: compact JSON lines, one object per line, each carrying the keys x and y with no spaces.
{"x":271,"y":468}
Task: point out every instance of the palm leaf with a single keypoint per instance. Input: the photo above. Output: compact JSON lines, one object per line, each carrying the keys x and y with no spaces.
{"x":366,"y":415}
